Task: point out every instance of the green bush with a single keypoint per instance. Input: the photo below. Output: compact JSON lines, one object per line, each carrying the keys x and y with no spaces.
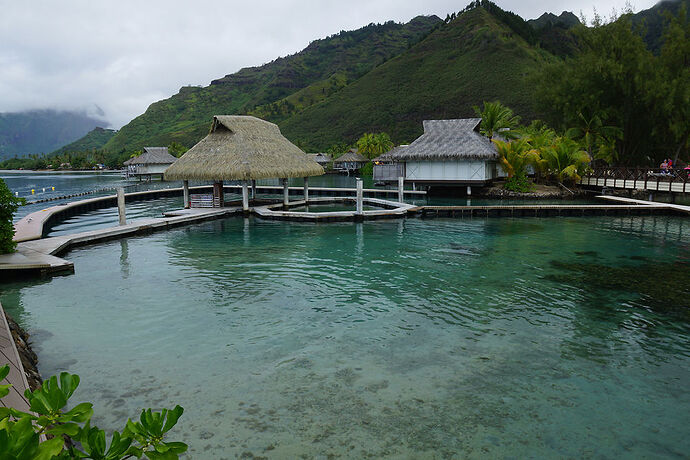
{"x":8,"y":206}
{"x":518,"y":183}
{"x":20,"y":433}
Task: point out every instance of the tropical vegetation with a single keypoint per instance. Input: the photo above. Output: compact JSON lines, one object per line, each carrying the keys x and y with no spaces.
{"x":44,"y":433}
{"x":372,"y":145}
{"x":8,"y":206}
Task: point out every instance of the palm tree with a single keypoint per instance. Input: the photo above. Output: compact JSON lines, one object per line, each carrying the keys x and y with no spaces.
{"x":497,"y":118}
{"x":593,"y":135}
{"x":563,"y":160}
{"x":372,"y":145}
{"x":515,"y":156}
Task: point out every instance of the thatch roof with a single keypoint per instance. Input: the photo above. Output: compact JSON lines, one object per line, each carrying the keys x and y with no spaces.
{"x":320,"y":157}
{"x":390,"y":155}
{"x":351,"y":157}
{"x":242,"y":148}
{"x":152,"y":156}
{"x":449,"y":140}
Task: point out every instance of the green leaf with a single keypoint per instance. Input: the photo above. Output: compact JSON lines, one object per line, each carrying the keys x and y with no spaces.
{"x":153,"y":455}
{"x":69,"y":428}
{"x":79,"y":413}
{"x":173,"y":417}
{"x":50,"y":448}
{"x":4,"y":371}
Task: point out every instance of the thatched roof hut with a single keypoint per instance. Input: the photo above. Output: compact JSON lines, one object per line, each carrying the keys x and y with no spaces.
{"x":351,"y":157}
{"x":448,"y":140}
{"x":243,"y":148}
{"x":320,"y":158}
{"x":152,"y":156}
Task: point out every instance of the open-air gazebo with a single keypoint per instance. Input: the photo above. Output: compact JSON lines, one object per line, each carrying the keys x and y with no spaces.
{"x":243,"y":148}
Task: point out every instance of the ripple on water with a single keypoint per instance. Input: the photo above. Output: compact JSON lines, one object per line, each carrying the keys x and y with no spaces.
{"x":441,"y":338}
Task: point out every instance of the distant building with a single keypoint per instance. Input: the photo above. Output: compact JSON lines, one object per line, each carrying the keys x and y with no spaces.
{"x":350,"y":162}
{"x":154,"y":161}
{"x":321,"y":158}
{"x":450,"y":152}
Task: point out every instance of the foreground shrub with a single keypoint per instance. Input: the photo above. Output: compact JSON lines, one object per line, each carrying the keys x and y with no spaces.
{"x":519,"y":183}
{"x":20,"y":433}
{"x":8,"y":206}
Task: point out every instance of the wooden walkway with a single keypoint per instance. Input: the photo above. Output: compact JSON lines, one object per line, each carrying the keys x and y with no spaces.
{"x":39,"y":256}
{"x":9,"y":355}
{"x":32,"y":226}
{"x":650,"y":179}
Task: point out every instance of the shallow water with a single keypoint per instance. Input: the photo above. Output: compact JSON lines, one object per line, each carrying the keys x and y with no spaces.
{"x":542,"y":338}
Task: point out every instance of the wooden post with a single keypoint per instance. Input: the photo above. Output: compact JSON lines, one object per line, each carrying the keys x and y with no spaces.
{"x":401,"y":186}
{"x":253,"y":189}
{"x":245,"y":196}
{"x":286,"y":192}
{"x":360,"y":197}
{"x":306,"y":190}
{"x":121,"y":206}
{"x":218,"y":192}
{"x":185,"y":193}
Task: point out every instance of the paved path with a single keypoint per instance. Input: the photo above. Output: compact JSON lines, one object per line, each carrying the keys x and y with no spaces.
{"x":9,"y":355}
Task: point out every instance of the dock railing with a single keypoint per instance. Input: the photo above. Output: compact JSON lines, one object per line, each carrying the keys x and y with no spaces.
{"x":671,"y":180}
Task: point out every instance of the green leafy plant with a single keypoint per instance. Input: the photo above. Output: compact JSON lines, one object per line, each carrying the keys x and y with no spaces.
{"x":40,"y":435}
{"x":519,"y":183}
{"x":8,"y":206}
{"x":497,"y":119}
{"x":374,"y":144}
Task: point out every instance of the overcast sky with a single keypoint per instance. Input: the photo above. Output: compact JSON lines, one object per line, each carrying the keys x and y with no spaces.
{"x":122,"y":55}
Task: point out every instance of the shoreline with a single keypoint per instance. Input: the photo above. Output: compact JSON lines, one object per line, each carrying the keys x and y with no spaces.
{"x":27,"y":355}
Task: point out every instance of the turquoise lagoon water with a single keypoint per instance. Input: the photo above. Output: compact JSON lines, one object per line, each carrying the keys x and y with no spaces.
{"x":443,"y":338}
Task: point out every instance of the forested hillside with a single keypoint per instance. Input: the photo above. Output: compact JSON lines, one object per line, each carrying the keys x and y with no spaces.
{"x":41,"y":131}
{"x":329,"y":63}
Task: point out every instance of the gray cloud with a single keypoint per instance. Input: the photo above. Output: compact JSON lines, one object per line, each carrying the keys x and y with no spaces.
{"x":122,"y":56}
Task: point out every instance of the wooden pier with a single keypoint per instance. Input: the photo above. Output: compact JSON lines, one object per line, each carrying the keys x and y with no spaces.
{"x":41,"y":256}
{"x":17,"y":377}
{"x":34,"y":225}
{"x":649,"y":179}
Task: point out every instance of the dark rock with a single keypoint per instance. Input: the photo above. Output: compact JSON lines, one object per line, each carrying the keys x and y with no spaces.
{"x":26,"y":354}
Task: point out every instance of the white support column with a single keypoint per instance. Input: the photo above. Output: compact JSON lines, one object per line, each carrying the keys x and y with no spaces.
{"x":360,"y":197}
{"x":306,"y":190}
{"x":121,"y":206}
{"x":401,"y":187}
{"x":286,"y":192}
{"x":469,"y":190}
{"x":245,"y":196}
{"x":185,"y":193}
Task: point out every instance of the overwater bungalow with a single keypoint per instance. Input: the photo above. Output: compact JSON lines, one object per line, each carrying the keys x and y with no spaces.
{"x":242,"y":148}
{"x":350,"y":162}
{"x":323,"y":159}
{"x":153,"y":162}
{"x":449,"y":153}
{"x":387,"y":168}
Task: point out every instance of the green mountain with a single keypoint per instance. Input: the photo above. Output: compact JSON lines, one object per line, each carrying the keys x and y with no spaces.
{"x":473,"y":58}
{"x":329,"y":64}
{"x":653,"y":20}
{"x":41,"y":131}
{"x":94,"y":140}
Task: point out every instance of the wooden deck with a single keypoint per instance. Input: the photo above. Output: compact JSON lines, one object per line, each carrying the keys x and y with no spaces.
{"x":9,"y":355}
{"x":650,"y":179}
{"x":32,"y":227}
{"x":40,"y":256}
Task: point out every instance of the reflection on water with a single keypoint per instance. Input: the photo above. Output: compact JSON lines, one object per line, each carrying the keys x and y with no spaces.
{"x":411,"y":338}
